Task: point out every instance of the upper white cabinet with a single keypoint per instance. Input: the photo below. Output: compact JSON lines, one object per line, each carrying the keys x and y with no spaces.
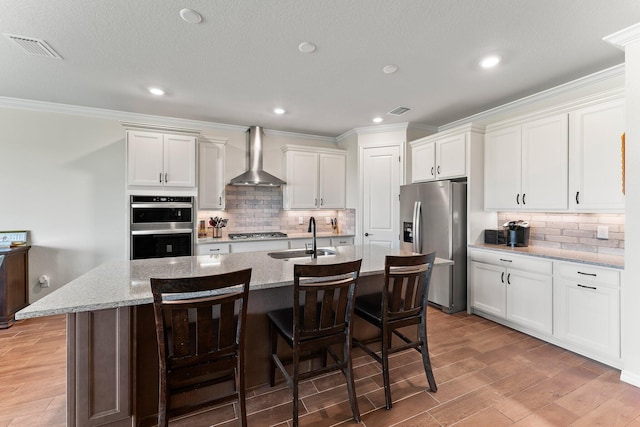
{"x":595,"y":171}
{"x":526,"y":165}
{"x":439,"y":157}
{"x":211,"y":182}
{"x":161,"y":160}
{"x":316,"y":178}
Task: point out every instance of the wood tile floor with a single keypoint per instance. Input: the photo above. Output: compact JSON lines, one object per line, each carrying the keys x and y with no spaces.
{"x":487,"y":375}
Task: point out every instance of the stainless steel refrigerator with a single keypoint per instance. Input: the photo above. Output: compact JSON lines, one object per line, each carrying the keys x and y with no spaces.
{"x":433,"y":217}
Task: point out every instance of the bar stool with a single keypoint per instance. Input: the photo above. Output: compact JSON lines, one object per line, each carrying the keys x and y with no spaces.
{"x":402,"y":302}
{"x":321,"y":317}
{"x":200,"y":340}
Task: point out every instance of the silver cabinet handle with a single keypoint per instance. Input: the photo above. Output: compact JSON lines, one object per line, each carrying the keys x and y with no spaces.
{"x":506,"y":260}
{"x":214,"y":250}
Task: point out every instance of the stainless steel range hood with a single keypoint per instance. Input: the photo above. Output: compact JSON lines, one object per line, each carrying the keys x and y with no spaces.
{"x":255,"y":175}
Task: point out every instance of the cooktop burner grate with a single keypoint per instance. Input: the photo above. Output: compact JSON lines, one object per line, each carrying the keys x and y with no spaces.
{"x":262,"y":235}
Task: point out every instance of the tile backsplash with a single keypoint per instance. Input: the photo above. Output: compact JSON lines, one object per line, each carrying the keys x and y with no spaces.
{"x":572,"y":231}
{"x":255,"y":209}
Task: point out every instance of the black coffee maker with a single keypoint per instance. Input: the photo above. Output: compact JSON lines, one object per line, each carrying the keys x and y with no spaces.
{"x":517,"y":233}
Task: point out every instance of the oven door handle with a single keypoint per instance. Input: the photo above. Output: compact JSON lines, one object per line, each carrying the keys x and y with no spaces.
{"x":161,"y":205}
{"x":171,"y":231}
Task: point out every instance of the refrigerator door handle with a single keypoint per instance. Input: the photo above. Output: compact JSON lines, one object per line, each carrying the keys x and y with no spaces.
{"x":417,"y":227}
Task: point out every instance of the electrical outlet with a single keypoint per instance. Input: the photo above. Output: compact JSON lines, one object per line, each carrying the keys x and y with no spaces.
{"x":43,"y":281}
{"x":300,"y":220}
{"x":603,"y":232}
{"x":327,"y":220}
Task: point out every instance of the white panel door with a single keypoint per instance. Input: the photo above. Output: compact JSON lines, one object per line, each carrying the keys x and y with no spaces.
{"x":595,"y":168}
{"x":144,"y":158}
{"x":333,"y":175}
{"x":502,"y":168}
{"x":451,"y":161}
{"x":179,"y":161}
{"x":381,"y":192}
{"x":545,"y":163}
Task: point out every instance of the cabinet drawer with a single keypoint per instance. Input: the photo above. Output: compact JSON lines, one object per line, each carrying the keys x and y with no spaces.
{"x":341,"y":241}
{"x":212,"y":249}
{"x":300,"y":243}
{"x":256,"y":246}
{"x":589,"y":273}
{"x":520,"y":262}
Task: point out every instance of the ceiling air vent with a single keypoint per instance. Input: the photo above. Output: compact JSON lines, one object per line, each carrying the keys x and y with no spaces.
{"x":34,"y":46}
{"x":398,"y":111}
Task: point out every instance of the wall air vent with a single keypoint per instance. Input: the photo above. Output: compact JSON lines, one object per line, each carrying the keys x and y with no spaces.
{"x":398,"y":111}
{"x":34,"y":46}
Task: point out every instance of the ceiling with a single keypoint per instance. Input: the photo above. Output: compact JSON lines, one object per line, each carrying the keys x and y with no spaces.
{"x":243,"y":60}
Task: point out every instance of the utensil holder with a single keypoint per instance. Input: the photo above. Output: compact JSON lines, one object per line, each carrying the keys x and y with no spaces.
{"x":217,"y":232}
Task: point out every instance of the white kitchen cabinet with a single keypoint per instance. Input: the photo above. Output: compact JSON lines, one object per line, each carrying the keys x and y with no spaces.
{"x":263,"y":245}
{"x":517,"y":289}
{"x":161,"y":160}
{"x":316,"y":178}
{"x":587,"y":310}
{"x":342,"y":241}
{"x":212,"y":248}
{"x":211,"y":184}
{"x":526,"y":165}
{"x":321,"y":242}
{"x":595,"y":167}
{"x":439,"y":157}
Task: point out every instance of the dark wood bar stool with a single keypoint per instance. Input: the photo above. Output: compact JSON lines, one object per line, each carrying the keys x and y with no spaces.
{"x":200,"y":341}
{"x":321,"y":317}
{"x":402,"y":302}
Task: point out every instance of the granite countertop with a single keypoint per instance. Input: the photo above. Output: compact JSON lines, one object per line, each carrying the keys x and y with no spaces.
{"x":126,"y":283}
{"x":604,"y":260}
{"x":226,"y":239}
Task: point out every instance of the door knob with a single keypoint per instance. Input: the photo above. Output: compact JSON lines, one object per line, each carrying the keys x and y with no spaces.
{"x":367,"y":234}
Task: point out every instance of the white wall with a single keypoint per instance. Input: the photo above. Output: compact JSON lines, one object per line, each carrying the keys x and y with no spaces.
{"x":63,"y":179}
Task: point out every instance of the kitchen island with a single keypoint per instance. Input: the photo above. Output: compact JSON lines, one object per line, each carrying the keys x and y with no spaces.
{"x":111,"y":344}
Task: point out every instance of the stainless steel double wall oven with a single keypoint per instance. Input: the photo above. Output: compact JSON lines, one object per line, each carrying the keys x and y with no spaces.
{"x":161,"y":226}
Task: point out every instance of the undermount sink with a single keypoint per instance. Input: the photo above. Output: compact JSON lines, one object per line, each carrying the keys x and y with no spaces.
{"x":300,"y":253}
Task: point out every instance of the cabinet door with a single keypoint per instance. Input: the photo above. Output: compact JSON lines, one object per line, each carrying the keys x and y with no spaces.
{"x":488,"y":289}
{"x":502,"y":168}
{"x":333,"y":184}
{"x":451,"y":157}
{"x":423,"y":159}
{"x":588,"y":316}
{"x":302,"y":180}
{"x":144,"y":158}
{"x":545,"y":163}
{"x":595,"y":168}
{"x":179,"y":161}
{"x":530,"y":300}
{"x":211,"y":176}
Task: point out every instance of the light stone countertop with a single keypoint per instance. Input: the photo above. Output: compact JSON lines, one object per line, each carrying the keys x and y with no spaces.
{"x":603,"y":260}
{"x":126,"y":283}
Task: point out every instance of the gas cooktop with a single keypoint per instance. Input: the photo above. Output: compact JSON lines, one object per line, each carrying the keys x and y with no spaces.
{"x":263,"y":235}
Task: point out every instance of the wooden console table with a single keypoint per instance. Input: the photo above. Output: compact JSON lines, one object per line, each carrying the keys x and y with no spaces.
{"x":14,"y":283}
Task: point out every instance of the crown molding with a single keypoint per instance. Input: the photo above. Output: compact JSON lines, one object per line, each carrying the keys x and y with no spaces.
{"x":624,"y":37}
{"x":590,"y":80}
{"x":300,"y":135}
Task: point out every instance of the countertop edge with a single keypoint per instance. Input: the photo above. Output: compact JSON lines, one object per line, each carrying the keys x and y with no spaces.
{"x":602,"y":260}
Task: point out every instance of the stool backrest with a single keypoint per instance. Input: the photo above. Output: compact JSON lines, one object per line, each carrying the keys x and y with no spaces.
{"x":328,"y":292}
{"x":193,"y":325}
{"x":406,"y":285}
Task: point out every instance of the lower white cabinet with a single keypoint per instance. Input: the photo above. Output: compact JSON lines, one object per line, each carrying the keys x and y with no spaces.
{"x":256,"y":246}
{"x":587,"y":309}
{"x":300,"y":243}
{"x":513,"y":288}
{"x":212,"y":248}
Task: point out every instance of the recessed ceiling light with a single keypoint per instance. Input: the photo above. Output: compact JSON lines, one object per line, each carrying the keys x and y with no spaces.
{"x":279,"y":110}
{"x":306,"y":47}
{"x":390,"y":69}
{"x":490,"y":61}
{"x":190,"y":16}
{"x":156,"y":91}
{"x":377,"y":119}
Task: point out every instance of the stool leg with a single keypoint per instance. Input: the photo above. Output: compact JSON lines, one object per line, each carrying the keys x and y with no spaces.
{"x":386,"y":344}
{"x":296,"y":373}
{"x":242,"y":401}
{"x":424,"y":349}
{"x":351,"y":387}
{"x":274,"y":351}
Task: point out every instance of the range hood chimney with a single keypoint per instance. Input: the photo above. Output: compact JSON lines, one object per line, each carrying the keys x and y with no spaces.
{"x":255,"y":175}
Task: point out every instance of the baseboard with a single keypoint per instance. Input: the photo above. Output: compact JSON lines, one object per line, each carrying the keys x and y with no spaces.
{"x":630,"y":378}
